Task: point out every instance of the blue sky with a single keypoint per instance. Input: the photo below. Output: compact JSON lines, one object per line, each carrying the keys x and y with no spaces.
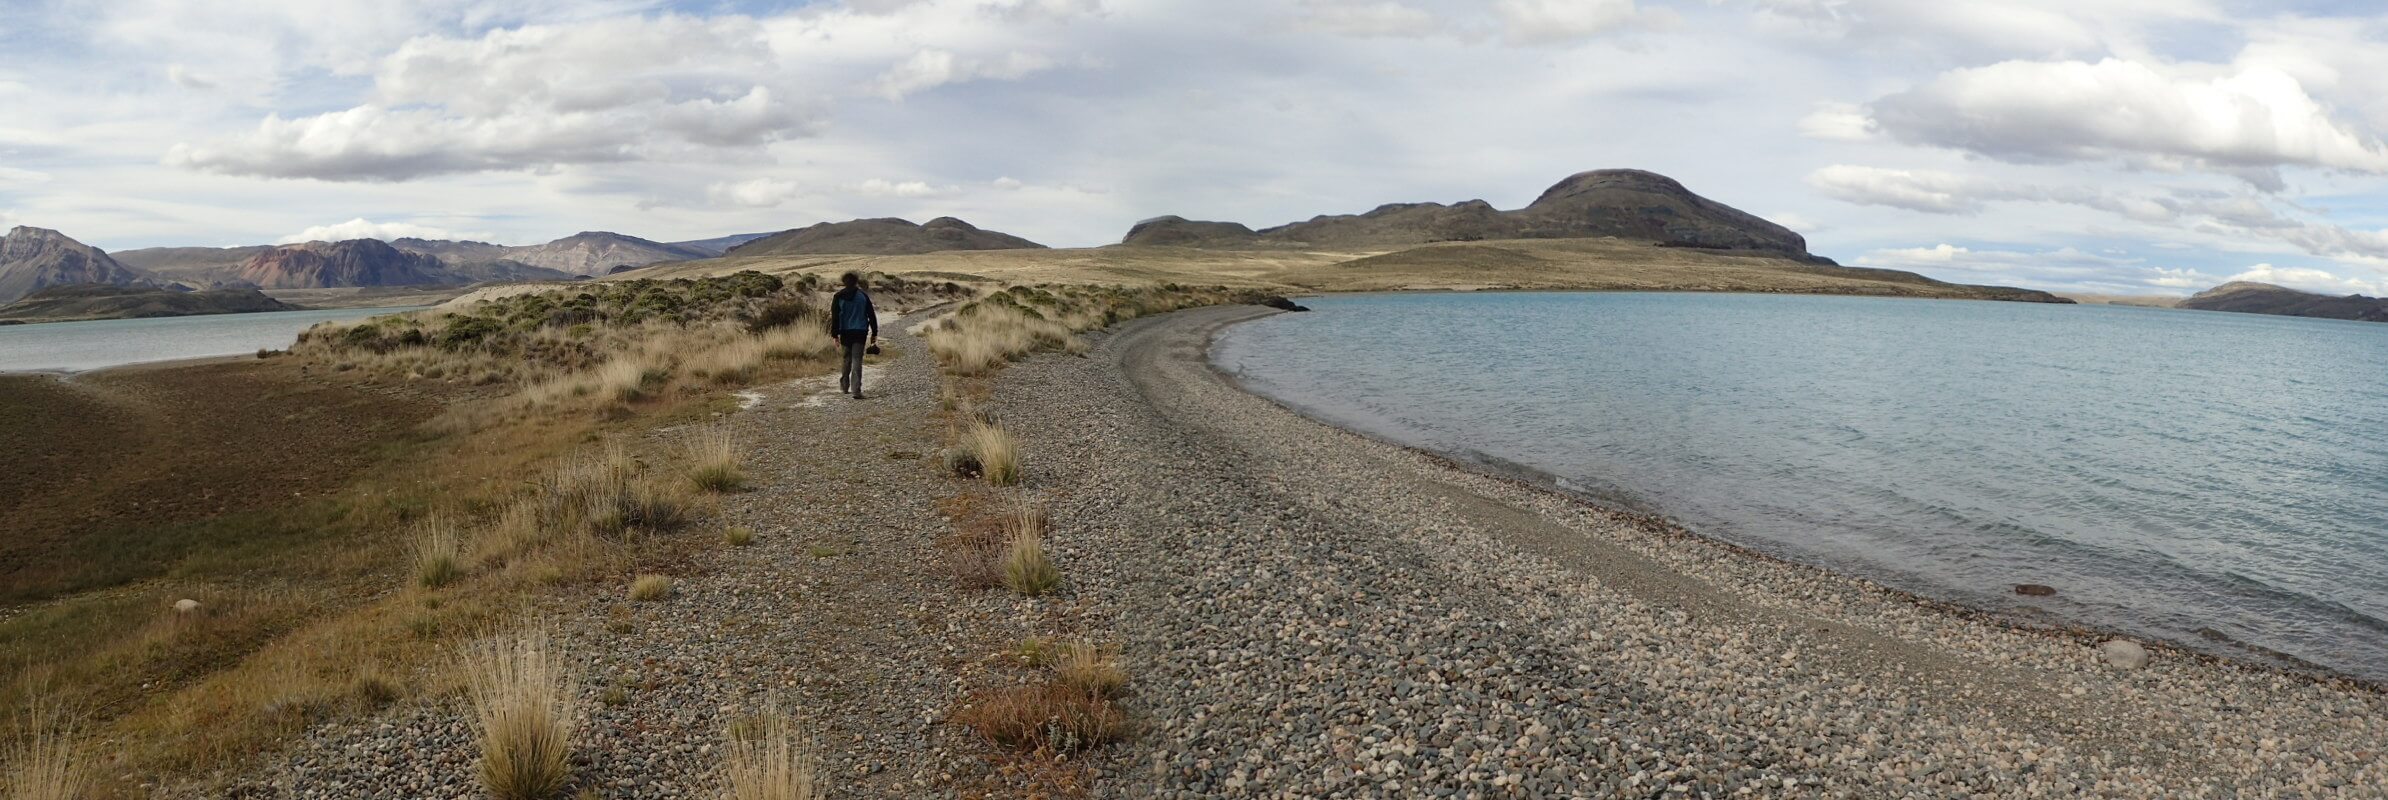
{"x":2124,"y":146}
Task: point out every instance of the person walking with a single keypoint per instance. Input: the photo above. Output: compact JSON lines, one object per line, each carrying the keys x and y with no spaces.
{"x":856,"y":325}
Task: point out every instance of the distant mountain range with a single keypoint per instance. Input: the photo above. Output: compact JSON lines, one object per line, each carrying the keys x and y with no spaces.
{"x":1622,"y":203}
{"x":2249,"y":297}
{"x":585,"y":253}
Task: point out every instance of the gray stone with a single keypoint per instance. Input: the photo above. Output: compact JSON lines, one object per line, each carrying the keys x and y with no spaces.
{"x":2124,"y":653}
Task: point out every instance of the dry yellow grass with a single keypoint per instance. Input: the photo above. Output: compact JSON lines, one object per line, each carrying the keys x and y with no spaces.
{"x":715,"y":459}
{"x":1024,"y":566}
{"x":650,"y":588}
{"x":520,"y":528}
{"x":45,"y":765}
{"x":523,"y":699}
{"x":1087,"y":668}
{"x":738,"y":535}
{"x":797,"y":341}
{"x":438,"y":552}
{"x":733,"y":361}
{"x":997,"y":453}
{"x":769,"y":759}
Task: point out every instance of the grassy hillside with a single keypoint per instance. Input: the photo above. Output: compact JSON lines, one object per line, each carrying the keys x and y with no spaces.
{"x":1593,"y":264}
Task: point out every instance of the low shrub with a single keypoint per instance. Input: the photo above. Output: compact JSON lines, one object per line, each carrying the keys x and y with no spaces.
{"x":738,"y":535}
{"x":1048,"y":716}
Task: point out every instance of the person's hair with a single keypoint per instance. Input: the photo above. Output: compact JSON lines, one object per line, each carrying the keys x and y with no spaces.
{"x":851,"y":279}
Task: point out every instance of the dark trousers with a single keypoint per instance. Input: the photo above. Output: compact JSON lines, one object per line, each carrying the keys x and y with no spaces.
{"x":850,"y":380}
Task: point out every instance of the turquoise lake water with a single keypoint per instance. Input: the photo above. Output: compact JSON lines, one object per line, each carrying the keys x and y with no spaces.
{"x":2219,"y":480}
{"x":75,"y":346}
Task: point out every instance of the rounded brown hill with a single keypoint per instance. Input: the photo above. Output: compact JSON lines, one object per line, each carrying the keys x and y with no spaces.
{"x":1623,"y":203}
{"x":882,"y":237}
{"x":359,"y":262}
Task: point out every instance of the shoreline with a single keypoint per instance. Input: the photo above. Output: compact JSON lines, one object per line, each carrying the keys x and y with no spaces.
{"x":2052,"y":623}
{"x":1231,"y":537}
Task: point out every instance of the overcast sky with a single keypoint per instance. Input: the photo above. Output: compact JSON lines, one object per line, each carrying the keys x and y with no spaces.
{"x":2128,"y":146}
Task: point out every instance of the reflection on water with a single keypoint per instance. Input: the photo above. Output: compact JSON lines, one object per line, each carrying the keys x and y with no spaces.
{"x":113,"y":342}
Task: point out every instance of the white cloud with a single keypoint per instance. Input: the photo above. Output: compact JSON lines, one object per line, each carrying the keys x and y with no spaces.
{"x":361,"y":228}
{"x":2245,"y":123}
{"x":877,"y":187}
{"x":1369,"y":19}
{"x":1553,"y":21}
{"x":1845,"y":122}
{"x":2309,"y":279}
{"x":929,"y":69}
{"x":182,"y":76}
{"x":754,"y":193}
{"x":2169,"y":278}
{"x":1977,"y":29}
{"x":1915,"y":190}
{"x":529,"y":98}
{"x":21,"y":177}
{"x":1007,"y":183}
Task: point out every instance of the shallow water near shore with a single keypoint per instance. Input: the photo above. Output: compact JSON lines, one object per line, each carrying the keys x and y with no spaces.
{"x":2218,"y":480}
{"x":95,"y":344}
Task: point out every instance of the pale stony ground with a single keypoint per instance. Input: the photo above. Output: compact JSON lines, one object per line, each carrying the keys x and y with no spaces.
{"x":1310,"y":613}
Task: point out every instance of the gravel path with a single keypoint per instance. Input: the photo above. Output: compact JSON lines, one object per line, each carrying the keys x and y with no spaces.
{"x":1311,"y":613}
{"x":839,"y":610}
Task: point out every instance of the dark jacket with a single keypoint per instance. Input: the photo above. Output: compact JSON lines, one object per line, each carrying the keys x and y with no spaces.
{"x":851,"y":312}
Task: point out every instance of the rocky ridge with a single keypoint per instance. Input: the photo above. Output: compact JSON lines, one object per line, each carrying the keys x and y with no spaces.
{"x":1623,"y":203}
{"x":357,"y":262}
{"x":32,"y":259}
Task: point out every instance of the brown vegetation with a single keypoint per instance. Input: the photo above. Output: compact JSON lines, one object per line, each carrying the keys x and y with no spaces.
{"x":769,"y":759}
{"x":523,"y":698}
{"x":289,"y":549}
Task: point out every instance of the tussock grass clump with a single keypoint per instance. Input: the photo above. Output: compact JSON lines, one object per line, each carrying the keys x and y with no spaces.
{"x":715,"y":461}
{"x":1024,"y":566}
{"x":731,"y":362}
{"x":805,"y":341}
{"x":521,"y":528}
{"x":1048,"y":716}
{"x":628,"y":379}
{"x":1087,"y":668}
{"x":738,"y":535}
{"x":523,"y":699}
{"x":650,"y":588}
{"x":375,"y":688}
{"x":44,"y":764}
{"x":437,"y":552}
{"x":769,"y":759}
{"x":997,"y":453}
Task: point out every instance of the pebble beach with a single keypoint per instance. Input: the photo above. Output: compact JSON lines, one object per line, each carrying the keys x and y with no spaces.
{"x":1307,"y":612}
